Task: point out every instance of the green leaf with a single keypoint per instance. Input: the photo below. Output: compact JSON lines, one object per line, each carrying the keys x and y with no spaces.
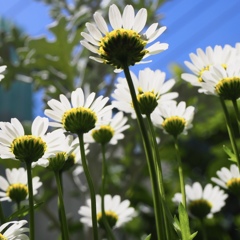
{"x":229,"y":152}
{"x":148,"y":237}
{"x":193,"y":236}
{"x":23,"y":211}
{"x":184,"y":222}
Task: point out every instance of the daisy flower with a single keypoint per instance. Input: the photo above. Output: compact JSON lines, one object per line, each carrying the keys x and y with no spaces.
{"x":123,"y":44}
{"x":151,"y":90}
{"x":15,"y":186}
{"x":228,"y":178}
{"x":117,"y":212}
{"x":174,"y":118}
{"x":201,"y":62}
{"x":203,"y":202}
{"x":223,"y":81}
{"x":2,"y":69}
{"x":28,"y":148}
{"x":14,"y":230}
{"x":80,"y":115}
{"x":111,"y":132}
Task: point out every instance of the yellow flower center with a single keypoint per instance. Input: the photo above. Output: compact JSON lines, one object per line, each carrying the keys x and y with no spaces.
{"x":28,"y":148}
{"x":70,"y":162}
{"x":2,"y":237}
{"x":174,"y":125}
{"x":122,"y":47}
{"x":57,"y":162}
{"x":200,"y":208}
{"x":79,"y":120}
{"x":17,"y":192}
{"x":229,"y":88}
{"x":111,"y":217}
{"x":234,"y":185}
{"x":206,"y":68}
{"x":103,"y":135}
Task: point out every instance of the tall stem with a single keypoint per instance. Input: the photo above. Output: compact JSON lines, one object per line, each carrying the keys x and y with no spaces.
{"x":63,"y":220}
{"x":235,"y":105}
{"x":30,"y":201}
{"x":90,"y":185}
{"x":180,"y":172}
{"x":106,"y":224}
{"x":230,"y":131}
{"x":2,"y":217}
{"x":161,"y":231}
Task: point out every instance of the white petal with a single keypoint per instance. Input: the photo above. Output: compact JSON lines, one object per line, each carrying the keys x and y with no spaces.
{"x":115,"y":17}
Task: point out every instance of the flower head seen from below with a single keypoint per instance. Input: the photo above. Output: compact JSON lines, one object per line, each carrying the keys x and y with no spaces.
{"x":80,"y":115}
{"x":28,"y":148}
{"x":117,"y":212}
{"x":174,"y":118}
{"x":203,"y":60}
{"x":203,"y":202}
{"x":14,"y":230}
{"x":14,"y":187}
{"x":151,"y":90}
{"x":124,"y":44}
{"x":229,"y":179}
{"x":111,"y":132}
{"x":2,"y":69}
{"x":223,"y":81}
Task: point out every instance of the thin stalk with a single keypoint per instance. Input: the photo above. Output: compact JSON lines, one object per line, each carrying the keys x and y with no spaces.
{"x":203,"y":229}
{"x":161,"y":231}
{"x":63,"y":219}
{"x":230,"y":131}
{"x":235,"y":106}
{"x":159,"y":170}
{"x":2,"y":217}
{"x":30,"y":201}
{"x":105,"y":221}
{"x":180,"y":172}
{"x":91,"y":187}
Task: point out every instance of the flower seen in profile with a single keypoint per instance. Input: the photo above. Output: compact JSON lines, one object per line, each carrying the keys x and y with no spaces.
{"x":117,"y":212}
{"x":123,"y":44}
{"x":111,"y":131}
{"x":223,"y":81}
{"x":229,"y":179}
{"x":80,"y":115}
{"x":151,"y":90}
{"x":203,"y":60}
{"x":15,"y":186}
{"x":14,"y":230}
{"x":2,"y":69}
{"x":28,"y":148}
{"x":174,"y":118}
{"x":203,"y":202}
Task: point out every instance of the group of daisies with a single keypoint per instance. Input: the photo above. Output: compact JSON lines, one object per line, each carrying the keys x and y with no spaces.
{"x":214,"y":71}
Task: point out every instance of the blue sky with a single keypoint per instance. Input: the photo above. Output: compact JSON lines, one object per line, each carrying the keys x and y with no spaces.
{"x":190,"y":24}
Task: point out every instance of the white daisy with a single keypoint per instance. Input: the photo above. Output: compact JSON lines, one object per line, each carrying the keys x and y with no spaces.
{"x":117,"y":212}
{"x":2,"y":69}
{"x":15,"y":186}
{"x":80,"y":115}
{"x":151,"y":90}
{"x":111,"y":132}
{"x":14,"y":230}
{"x":201,"y":61}
{"x":123,"y":43}
{"x":222,"y":81}
{"x":203,"y":202}
{"x":28,"y":148}
{"x":228,"y":179}
{"x":174,"y":119}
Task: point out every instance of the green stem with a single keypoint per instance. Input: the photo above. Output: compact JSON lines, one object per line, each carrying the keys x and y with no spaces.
{"x":63,"y":219}
{"x":90,"y":185}
{"x":157,"y":201}
{"x":159,"y":170}
{"x":30,"y":201}
{"x":180,"y":172}
{"x":105,"y":221}
{"x":235,"y":105}
{"x":2,"y":217}
{"x":203,"y":228}
{"x":230,"y":131}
